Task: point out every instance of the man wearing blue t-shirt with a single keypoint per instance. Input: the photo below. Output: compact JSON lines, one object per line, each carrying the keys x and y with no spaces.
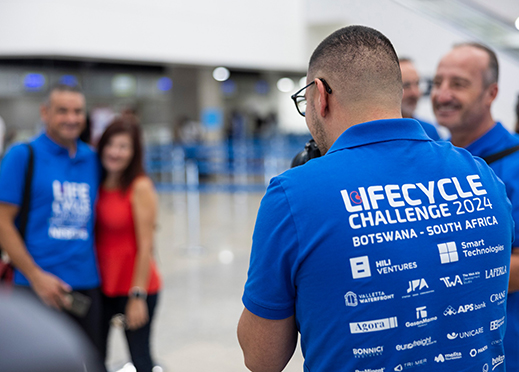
{"x":412,"y":94}
{"x":391,"y":251}
{"x":57,"y":255}
{"x":464,"y":87}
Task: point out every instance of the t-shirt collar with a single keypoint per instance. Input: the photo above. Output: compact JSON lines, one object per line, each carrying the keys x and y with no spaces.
{"x":380,"y":131}
{"x":490,"y":142}
{"x":59,"y":149}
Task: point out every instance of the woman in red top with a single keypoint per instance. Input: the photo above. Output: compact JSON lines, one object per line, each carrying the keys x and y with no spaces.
{"x":126,"y":214}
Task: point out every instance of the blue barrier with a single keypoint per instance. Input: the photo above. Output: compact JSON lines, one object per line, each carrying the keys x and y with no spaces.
{"x":227,"y":166}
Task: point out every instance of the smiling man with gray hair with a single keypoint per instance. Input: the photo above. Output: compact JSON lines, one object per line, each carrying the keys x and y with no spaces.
{"x":55,"y":258}
{"x":464,"y":89}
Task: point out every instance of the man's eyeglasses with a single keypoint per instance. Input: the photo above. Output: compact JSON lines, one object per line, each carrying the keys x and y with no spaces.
{"x":300,"y":99}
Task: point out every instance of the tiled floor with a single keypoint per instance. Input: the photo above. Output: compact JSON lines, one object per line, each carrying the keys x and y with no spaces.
{"x":204,"y":267}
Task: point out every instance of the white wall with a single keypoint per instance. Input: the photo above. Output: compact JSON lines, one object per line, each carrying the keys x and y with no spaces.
{"x":253,"y":34}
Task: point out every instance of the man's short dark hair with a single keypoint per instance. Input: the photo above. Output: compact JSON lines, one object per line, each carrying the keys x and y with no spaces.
{"x":492,"y":74}
{"x":60,"y":87}
{"x":404,"y":59}
{"x":362,"y":60}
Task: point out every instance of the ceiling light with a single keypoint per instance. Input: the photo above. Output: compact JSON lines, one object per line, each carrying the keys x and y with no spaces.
{"x":285,"y":85}
{"x":221,"y":74}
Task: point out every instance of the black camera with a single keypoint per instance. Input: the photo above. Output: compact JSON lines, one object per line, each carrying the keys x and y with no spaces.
{"x":311,"y":151}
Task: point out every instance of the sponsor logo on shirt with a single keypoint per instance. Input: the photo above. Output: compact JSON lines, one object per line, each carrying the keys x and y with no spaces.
{"x":498,"y":297}
{"x":495,"y":272}
{"x":448,"y":252}
{"x":371,"y":370}
{"x":440,"y":358}
{"x":360,"y":267}
{"x":474,"y":352}
{"x":417,"y":287}
{"x":416,"y":343}
{"x":465,"y":334}
{"x":451,"y":282}
{"x":496,"y":324}
{"x":421,"y":315}
{"x":374,"y":325}
{"x":463,"y":309}
{"x":367,"y":352}
{"x":497,"y":361}
{"x":407,"y":365}
{"x":352,"y":299}
{"x":476,"y":248}
{"x":417,"y":284}
{"x":386,"y":267}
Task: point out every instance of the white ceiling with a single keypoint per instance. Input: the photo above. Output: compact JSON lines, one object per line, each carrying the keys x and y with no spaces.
{"x":490,"y":22}
{"x":506,"y":10}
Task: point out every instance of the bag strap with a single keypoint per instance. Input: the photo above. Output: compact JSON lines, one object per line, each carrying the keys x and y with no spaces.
{"x":24,"y":209}
{"x":501,"y":154}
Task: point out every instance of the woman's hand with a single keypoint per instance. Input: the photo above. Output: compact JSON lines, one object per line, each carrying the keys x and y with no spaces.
{"x":136,"y":313}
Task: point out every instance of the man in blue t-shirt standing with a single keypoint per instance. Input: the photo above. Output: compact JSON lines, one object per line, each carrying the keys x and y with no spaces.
{"x":56,"y":256}
{"x":412,"y":94}
{"x":390,"y":252}
{"x":464,"y":88}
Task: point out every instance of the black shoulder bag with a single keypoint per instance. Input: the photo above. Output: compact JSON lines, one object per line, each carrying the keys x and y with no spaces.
{"x":6,"y":268}
{"x":500,"y":155}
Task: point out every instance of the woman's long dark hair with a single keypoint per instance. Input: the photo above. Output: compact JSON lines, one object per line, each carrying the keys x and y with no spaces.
{"x":135,"y":168}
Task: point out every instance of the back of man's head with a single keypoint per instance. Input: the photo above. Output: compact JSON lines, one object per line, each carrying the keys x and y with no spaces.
{"x":361,"y":66}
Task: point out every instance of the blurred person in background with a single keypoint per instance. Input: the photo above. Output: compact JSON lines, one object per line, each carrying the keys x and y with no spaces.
{"x":131,"y":113}
{"x":412,"y":94}
{"x":56,"y":256}
{"x":126,"y":218}
{"x":464,"y":88}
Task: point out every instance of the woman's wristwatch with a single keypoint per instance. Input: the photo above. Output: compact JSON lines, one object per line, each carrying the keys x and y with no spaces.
{"x":137,"y":292}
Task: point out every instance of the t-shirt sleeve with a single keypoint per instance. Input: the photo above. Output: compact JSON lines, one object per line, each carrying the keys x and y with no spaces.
{"x":12,"y":174}
{"x":270,"y":288}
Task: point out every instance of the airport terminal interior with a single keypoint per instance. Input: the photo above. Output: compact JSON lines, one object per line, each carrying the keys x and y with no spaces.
{"x":210,"y":83}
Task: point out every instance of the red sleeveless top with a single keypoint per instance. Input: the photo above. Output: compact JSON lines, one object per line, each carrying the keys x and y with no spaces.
{"x":116,"y":244}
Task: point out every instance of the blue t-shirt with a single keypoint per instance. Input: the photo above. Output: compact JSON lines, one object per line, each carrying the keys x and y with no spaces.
{"x":392,"y":251}
{"x":59,"y":232}
{"x":507,"y":169}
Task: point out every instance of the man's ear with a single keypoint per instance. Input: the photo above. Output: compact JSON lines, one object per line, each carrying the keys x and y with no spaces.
{"x":492,"y":91}
{"x":44,"y":112}
{"x":323,"y":98}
